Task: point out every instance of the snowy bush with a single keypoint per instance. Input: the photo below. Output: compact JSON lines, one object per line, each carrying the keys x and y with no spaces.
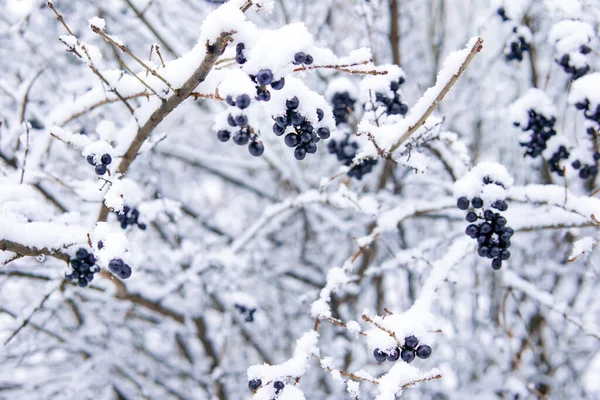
{"x":259,"y":199}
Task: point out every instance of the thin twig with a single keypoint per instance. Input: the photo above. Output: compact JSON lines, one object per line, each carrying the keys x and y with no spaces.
{"x":474,"y":50}
{"x":89,"y":63}
{"x":26,"y":151}
{"x":125,"y":50}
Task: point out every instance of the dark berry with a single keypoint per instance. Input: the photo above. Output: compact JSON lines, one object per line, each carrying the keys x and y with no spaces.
{"x":394,"y":355}
{"x":485,"y":228}
{"x":423,"y":351}
{"x":254,"y":384}
{"x":241,"y":138}
{"x":279,"y":84}
{"x":230,"y":101}
{"x":496,"y":264}
{"x":320,"y":114}
{"x":116,"y":265}
{"x":311,"y":148}
{"x":106,"y":159}
{"x":240,"y":47}
{"x":482,"y":251}
{"x":472,"y":231}
{"x":90,"y":260}
{"x":299,"y":58}
{"x":77,"y":265}
{"x":379,"y":355}
{"x":223,"y":135}
{"x":505,"y":254}
{"x":100,"y":245}
{"x":82,"y":282}
{"x":90,"y":159}
{"x":477,"y":202}
{"x":292,"y":103}
{"x":411,"y":342}
{"x":576,"y":164}
{"x":407,"y":355}
{"x":81,"y":254}
{"x":264,"y":96}
{"x":462,"y":203}
{"x":471,"y":216}
{"x":231,"y":120}
{"x":240,"y":59}
{"x":296,"y":119}
{"x":278,"y":385}
{"x":291,"y":139}
{"x":324,"y":132}
{"x":100,"y":169}
{"x":243,"y":101}
{"x":125,"y":272}
{"x":256,"y":149}
{"x":278,"y":129}
{"x":300,"y":153}
{"x":308,"y":60}
{"x":241,"y":120}
{"x":264,"y":77}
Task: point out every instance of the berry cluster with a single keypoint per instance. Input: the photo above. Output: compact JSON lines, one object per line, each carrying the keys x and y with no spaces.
{"x":254,"y":384}
{"x":84,"y":267}
{"x":118,"y":267}
{"x":302,"y":58}
{"x":576,"y":72}
{"x":394,"y":106}
{"x":492,"y":234}
{"x":101,"y":167}
{"x":305,"y":137}
{"x":345,"y":150}
{"x":343,"y":105}
{"x":240,"y":58}
{"x":264,"y":78}
{"x":130,"y":216}
{"x":515,"y":47}
{"x":586,"y":170}
{"x":246,"y":310}
{"x":502,"y":13}
{"x":589,"y":114}
{"x":542,"y":129}
{"x":554,"y":161}
{"x":245,"y":133}
{"x":407,"y":352}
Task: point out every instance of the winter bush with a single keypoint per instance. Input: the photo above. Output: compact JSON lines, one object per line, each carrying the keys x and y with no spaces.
{"x":299,"y":199}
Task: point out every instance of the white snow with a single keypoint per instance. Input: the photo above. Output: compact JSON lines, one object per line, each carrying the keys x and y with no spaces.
{"x":582,"y":246}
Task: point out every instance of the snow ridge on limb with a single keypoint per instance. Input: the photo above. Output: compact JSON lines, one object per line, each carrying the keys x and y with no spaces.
{"x":389,"y":138}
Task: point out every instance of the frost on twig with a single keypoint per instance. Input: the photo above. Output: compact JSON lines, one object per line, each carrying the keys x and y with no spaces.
{"x":389,"y":138}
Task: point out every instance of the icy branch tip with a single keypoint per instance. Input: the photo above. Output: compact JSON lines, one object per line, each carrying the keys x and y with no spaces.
{"x":97,"y":23}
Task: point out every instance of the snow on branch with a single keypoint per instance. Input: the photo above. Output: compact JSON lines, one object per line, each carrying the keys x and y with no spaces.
{"x":457,"y":250}
{"x":389,"y":138}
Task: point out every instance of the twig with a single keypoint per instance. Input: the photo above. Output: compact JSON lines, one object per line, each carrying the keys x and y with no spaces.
{"x":343,"y":68}
{"x":169,"y":105}
{"x":8,"y":245}
{"x":101,"y":103}
{"x":151,"y":28}
{"x":348,"y":374}
{"x":160,"y":57}
{"x":124,"y":49}
{"x":28,"y":318}
{"x":90,"y":63}
{"x":474,"y":50}
{"x":26,"y":151}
